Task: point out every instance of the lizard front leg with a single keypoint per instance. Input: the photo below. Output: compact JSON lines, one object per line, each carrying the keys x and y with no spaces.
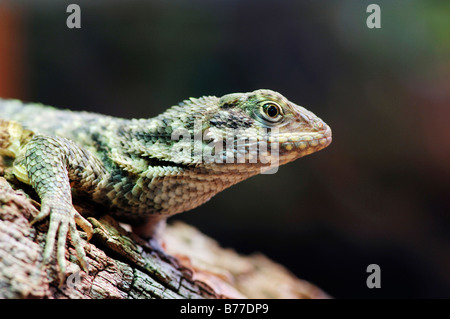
{"x":51,"y":163}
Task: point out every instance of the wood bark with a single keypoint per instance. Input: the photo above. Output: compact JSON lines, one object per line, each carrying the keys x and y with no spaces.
{"x":123,"y":265}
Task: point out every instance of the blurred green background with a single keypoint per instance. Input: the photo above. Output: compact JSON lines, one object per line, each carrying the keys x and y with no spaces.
{"x":379,"y":194}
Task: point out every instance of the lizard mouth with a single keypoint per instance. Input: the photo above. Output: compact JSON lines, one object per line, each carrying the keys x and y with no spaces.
{"x":286,"y":145}
{"x":304,"y":143}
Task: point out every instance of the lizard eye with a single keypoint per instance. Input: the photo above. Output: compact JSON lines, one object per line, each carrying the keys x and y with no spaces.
{"x":271,"y":112}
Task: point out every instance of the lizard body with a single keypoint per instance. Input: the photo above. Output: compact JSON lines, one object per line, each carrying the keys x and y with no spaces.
{"x":145,"y":170}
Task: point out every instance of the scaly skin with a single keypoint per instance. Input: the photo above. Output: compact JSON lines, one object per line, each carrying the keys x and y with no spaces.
{"x":145,"y":170}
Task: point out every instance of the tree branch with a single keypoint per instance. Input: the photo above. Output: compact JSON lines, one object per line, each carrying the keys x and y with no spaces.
{"x":123,"y":265}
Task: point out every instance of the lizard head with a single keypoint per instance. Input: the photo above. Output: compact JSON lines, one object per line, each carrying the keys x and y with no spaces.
{"x":276,"y":128}
{"x":259,"y":129}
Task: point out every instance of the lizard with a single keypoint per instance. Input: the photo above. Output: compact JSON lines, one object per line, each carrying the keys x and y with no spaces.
{"x":145,"y":170}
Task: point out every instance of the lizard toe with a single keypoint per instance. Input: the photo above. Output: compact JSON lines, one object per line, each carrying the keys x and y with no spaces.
{"x":45,"y":211}
{"x":84,"y":224}
{"x":77,"y":243}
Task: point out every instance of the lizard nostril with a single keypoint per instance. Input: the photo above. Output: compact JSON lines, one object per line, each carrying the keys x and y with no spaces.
{"x":319,"y":124}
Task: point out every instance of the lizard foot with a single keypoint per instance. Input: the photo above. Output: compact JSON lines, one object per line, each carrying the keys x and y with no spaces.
{"x":63,"y":221}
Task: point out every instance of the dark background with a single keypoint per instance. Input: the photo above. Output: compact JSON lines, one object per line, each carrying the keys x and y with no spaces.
{"x":379,"y":194}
